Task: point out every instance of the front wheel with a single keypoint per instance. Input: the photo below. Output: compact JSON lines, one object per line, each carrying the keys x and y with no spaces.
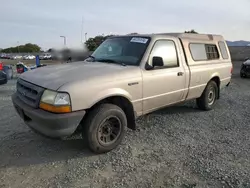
{"x":242,"y":75}
{"x":208,"y":97}
{"x":104,"y":128}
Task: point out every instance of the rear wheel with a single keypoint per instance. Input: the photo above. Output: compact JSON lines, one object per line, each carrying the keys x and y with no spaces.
{"x":104,"y":128}
{"x":208,"y":97}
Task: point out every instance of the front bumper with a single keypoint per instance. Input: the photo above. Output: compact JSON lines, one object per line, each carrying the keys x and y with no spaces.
{"x":46,"y":123}
{"x":3,"y":78}
{"x":245,"y":72}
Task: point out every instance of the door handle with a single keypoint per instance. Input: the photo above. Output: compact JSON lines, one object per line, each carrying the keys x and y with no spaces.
{"x":180,"y":73}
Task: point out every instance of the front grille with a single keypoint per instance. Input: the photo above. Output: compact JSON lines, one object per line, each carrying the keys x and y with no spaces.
{"x":29,"y":93}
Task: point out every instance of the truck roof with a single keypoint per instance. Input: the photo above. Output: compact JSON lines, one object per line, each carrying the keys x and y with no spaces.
{"x":186,"y":36}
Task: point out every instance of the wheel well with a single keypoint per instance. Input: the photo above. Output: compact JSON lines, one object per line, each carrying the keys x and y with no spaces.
{"x":125,"y":105}
{"x":216,"y":79}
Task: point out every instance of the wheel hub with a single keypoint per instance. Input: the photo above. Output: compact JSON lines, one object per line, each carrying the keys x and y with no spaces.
{"x":211,"y":96}
{"x":109,"y":131}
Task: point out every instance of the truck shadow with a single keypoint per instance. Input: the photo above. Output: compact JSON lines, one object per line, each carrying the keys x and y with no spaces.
{"x":28,"y":148}
{"x":181,"y":108}
{"x":177,"y":110}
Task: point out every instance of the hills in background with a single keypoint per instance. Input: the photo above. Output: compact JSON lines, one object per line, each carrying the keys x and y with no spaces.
{"x":238,"y":43}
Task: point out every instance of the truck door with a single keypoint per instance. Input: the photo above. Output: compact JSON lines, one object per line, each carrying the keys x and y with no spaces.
{"x":163,"y":85}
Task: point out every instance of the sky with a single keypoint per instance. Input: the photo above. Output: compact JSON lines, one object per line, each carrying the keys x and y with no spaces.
{"x":43,"y":22}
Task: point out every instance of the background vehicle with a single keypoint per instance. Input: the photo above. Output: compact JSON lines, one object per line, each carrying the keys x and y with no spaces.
{"x":125,"y":77}
{"x":29,"y":57}
{"x":3,"y":56}
{"x":16,"y":57}
{"x":245,"y":69}
{"x":25,"y":57}
{"x":45,"y":57}
{"x":3,"y":76}
{"x":42,"y":56}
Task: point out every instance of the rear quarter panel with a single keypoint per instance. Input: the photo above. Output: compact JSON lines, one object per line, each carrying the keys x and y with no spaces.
{"x":201,"y":72}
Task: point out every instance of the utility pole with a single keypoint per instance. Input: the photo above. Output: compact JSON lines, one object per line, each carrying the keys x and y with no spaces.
{"x":82,"y":30}
{"x":86,"y":37}
{"x":18,"y":46}
{"x":64,"y":40}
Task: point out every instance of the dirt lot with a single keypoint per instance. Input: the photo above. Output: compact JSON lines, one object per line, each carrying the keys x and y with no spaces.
{"x":174,"y":147}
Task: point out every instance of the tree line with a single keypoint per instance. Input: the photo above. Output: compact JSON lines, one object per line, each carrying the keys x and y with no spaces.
{"x":27,"y":48}
{"x":91,"y":43}
{"x":94,"y":42}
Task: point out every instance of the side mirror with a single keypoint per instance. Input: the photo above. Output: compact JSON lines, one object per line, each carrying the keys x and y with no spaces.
{"x":157,"y":61}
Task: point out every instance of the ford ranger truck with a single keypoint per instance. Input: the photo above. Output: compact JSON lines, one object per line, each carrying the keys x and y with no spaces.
{"x":124,"y":78}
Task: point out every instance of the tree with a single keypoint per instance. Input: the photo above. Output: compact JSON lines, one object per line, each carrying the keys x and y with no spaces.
{"x":191,"y":31}
{"x":133,"y":33}
{"x":93,"y":43}
{"x":27,"y":48}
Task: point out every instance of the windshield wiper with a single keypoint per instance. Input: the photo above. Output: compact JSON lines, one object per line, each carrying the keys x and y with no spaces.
{"x":111,"y":61}
{"x":91,"y":57}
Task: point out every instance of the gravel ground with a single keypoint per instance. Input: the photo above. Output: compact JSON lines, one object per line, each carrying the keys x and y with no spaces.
{"x":175,"y":147}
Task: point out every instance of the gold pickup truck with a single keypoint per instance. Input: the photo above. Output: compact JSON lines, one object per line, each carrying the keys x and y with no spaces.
{"x":125,"y":77}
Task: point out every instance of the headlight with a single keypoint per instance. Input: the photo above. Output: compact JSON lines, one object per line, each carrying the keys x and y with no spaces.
{"x":56,"y":102}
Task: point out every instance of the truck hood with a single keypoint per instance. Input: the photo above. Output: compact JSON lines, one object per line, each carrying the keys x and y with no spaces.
{"x":54,"y":76}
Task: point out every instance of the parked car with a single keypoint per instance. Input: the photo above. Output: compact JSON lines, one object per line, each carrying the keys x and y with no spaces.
{"x":45,"y":57}
{"x":16,"y":57}
{"x":124,"y":78}
{"x":245,"y":69}
{"x":7,"y":56}
{"x":3,"y":56}
{"x":12,"y":57}
{"x":3,"y":78}
{"x":3,"y":75}
{"x":25,"y":57}
{"x":42,"y":56}
{"x":48,"y":56}
{"x":29,"y":57}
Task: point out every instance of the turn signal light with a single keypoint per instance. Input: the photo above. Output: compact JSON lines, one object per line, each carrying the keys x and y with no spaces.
{"x":55,"y":109}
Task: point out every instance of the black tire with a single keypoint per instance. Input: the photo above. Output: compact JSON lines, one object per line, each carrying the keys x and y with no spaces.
{"x":96,"y":129}
{"x":208,"y":97}
{"x":242,"y":75}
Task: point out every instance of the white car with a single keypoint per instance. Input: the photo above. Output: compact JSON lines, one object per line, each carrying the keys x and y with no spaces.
{"x":45,"y":57}
{"x":29,"y":57}
{"x":16,"y":57}
{"x":48,"y":56}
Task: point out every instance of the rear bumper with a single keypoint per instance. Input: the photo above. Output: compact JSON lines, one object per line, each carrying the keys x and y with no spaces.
{"x":46,"y":123}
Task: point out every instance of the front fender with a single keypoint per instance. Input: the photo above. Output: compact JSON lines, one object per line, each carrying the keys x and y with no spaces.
{"x":109,"y":93}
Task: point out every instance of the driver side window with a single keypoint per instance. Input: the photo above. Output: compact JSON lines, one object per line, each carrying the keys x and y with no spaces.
{"x":165,"y":49}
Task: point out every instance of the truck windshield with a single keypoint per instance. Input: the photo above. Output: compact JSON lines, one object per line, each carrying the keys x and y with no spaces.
{"x":126,"y":50}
